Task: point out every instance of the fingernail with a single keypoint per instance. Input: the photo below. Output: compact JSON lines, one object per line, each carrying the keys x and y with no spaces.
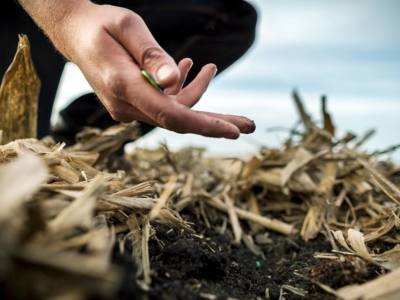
{"x":253,"y":126}
{"x":164,"y":72}
{"x":215,"y":72}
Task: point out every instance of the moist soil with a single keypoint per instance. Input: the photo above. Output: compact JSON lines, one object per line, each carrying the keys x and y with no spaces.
{"x":207,"y":265}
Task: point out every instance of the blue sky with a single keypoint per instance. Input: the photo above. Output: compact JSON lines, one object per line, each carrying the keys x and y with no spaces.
{"x":349,"y":50}
{"x":336,"y":46}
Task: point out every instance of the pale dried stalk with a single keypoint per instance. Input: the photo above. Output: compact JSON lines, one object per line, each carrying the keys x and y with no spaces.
{"x":255,"y":209}
{"x":328,"y":179}
{"x":389,"y":259}
{"x":386,"y":227}
{"x":185,"y":198}
{"x":357,"y":243}
{"x":390,"y":190}
{"x":309,"y":125}
{"x":271,"y":224}
{"x":145,"y":251}
{"x":312,"y":223}
{"x":27,"y":169}
{"x":135,"y":234}
{"x":272,"y":178}
{"x":237,"y":229}
{"x":367,"y":135}
{"x":136,"y":190}
{"x":342,"y":241}
{"x":300,"y":158}
{"x":81,"y":211}
{"x":66,"y":174}
{"x":328,"y":122}
{"x":78,"y":241}
{"x":161,"y":202}
{"x":88,"y":268}
{"x":131,"y":203}
{"x":187,"y":188}
{"x":384,"y":287}
{"x":297,"y":291}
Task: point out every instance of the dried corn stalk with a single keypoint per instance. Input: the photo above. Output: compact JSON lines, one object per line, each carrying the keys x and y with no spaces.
{"x":19,"y":92}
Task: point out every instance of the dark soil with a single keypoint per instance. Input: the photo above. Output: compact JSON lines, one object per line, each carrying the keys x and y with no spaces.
{"x":206,"y":265}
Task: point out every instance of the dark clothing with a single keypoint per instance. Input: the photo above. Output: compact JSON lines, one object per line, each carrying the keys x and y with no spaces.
{"x":208,"y":31}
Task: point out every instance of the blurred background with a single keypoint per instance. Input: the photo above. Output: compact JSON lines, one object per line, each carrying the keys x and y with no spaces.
{"x":348,"y":50}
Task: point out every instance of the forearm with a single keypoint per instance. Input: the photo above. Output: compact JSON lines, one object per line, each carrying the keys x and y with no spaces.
{"x":52,"y":17}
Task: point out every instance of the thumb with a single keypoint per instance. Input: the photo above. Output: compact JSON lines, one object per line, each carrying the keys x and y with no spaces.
{"x":137,"y":39}
{"x":161,"y":66}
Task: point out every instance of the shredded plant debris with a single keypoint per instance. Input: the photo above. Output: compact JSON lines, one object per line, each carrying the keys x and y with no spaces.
{"x":65,"y":211}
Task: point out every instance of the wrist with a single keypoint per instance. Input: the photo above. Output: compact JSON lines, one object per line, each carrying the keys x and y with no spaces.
{"x":55,"y":18}
{"x":65,"y":26}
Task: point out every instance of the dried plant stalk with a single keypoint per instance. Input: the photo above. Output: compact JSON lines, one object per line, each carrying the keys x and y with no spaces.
{"x":300,"y":158}
{"x":145,"y":251}
{"x":391,"y":191}
{"x":237,"y":229}
{"x":384,"y":287}
{"x":28,"y":169}
{"x":169,"y":188}
{"x":312,"y":222}
{"x":19,"y":93}
{"x":271,"y":224}
{"x":309,"y":125}
{"x":79,"y":212}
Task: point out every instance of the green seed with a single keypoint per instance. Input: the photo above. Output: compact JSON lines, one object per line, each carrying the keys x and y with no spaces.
{"x":258,"y":264}
{"x":150,"y":79}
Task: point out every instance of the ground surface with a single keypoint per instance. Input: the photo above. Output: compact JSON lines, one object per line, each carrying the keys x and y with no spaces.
{"x":209,"y":266}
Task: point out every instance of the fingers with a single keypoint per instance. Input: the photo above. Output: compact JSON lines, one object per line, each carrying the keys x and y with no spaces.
{"x":168,"y":113}
{"x":124,"y":112}
{"x":244,"y":124}
{"x":165,"y":111}
{"x":146,"y":104}
{"x":184,"y":67}
{"x":131,"y":31}
{"x":127,"y":113}
{"x":184,"y":120}
{"x":191,"y":94}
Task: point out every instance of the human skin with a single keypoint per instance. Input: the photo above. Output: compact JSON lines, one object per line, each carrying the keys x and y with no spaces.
{"x":111,"y":45}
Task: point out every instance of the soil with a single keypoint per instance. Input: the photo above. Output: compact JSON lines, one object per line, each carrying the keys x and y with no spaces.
{"x":206,"y":265}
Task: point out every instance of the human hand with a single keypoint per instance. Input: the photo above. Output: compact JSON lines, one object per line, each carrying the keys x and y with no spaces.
{"x":111,"y":45}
